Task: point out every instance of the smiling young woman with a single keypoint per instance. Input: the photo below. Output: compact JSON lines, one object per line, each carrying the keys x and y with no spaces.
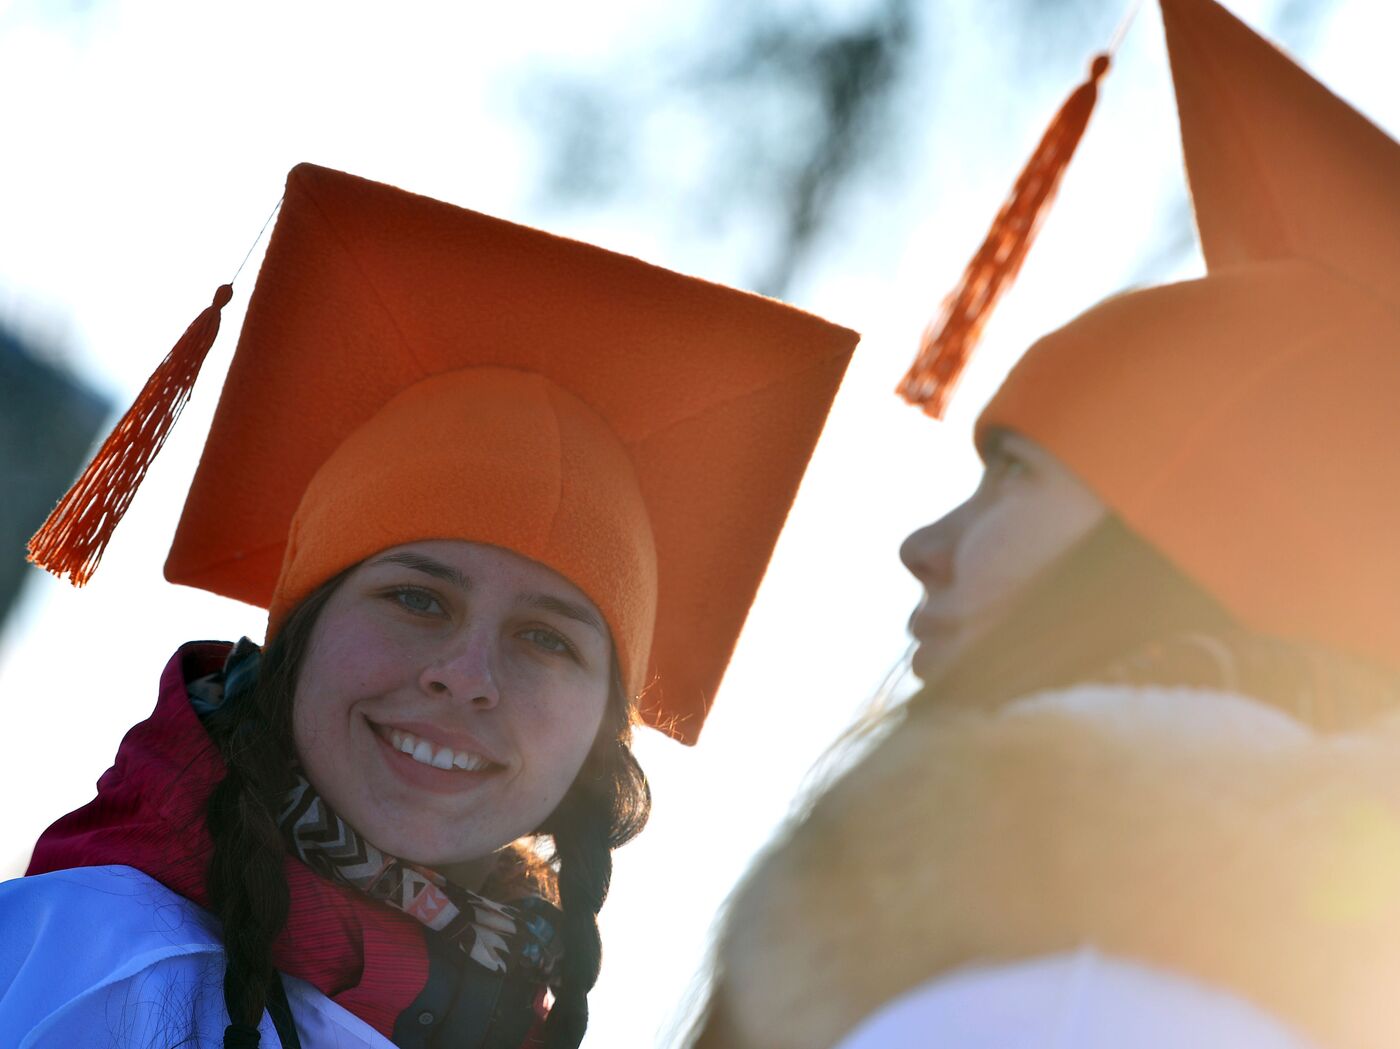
{"x":504,"y":496}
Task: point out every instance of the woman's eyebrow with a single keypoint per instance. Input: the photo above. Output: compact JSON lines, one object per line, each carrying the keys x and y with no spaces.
{"x":568,"y":609}
{"x":546,"y":602}
{"x":427,"y":565}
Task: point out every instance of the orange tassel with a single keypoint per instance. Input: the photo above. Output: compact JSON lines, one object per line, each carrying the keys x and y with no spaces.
{"x":72,"y":540}
{"x":948,"y":342}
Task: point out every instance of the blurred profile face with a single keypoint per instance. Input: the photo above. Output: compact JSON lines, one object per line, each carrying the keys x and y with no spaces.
{"x":975,"y":562}
{"x":449,"y":695}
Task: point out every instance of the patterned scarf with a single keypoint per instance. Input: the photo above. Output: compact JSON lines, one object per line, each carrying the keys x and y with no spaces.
{"x":517,"y":938}
{"x":493,"y":935}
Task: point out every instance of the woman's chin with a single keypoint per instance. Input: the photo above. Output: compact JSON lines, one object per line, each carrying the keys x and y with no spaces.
{"x":416,"y":848}
{"x":942,"y":648}
{"x":932,"y":659}
{"x":422,"y":842}
{"x":930,"y":663}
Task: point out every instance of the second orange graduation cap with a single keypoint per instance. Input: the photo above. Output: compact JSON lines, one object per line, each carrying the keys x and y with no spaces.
{"x":1245,"y":423}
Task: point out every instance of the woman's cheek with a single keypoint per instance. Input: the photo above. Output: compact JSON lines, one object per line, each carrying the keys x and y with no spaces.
{"x":365,"y":657}
{"x":993,"y":560}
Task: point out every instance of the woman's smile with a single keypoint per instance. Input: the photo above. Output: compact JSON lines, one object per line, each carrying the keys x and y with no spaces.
{"x":433,"y":745}
{"x":421,"y":765}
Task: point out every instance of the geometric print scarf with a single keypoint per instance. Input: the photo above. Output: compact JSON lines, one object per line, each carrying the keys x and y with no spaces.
{"x":518,"y":939}
{"x":496,"y":936}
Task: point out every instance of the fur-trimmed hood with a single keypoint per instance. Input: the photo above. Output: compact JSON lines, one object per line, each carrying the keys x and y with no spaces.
{"x":1199,"y":831}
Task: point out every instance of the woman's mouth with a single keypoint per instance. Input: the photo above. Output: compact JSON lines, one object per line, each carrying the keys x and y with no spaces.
{"x":925,"y":625}
{"x":426,"y":753}
{"x":430,"y":765}
{"x":938,"y":641}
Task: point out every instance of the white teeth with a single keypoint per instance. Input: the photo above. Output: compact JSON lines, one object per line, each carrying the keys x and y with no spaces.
{"x":422,"y":751}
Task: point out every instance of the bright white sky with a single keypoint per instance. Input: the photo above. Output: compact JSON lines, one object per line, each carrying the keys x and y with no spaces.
{"x":145,"y":144}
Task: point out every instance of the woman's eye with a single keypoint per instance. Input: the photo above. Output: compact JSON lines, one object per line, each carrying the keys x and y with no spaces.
{"x":420,"y":602}
{"x":549,"y":641}
{"x":1008,"y":465}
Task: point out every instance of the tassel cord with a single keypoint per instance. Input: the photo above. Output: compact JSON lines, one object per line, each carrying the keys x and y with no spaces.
{"x":948,"y":342}
{"x":73,"y":539}
{"x":71,"y":542}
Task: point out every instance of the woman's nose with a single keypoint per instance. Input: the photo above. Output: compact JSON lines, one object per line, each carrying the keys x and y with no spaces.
{"x":465,"y":673}
{"x":928,"y":553}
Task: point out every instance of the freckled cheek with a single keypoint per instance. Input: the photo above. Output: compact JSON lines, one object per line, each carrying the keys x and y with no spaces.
{"x":366,"y":660}
{"x":560,"y":734}
{"x":317,"y":746}
{"x":346,"y":666}
{"x":545,"y":791}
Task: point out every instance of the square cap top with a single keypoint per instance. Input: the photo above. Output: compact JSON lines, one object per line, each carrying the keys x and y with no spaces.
{"x":715,"y":397}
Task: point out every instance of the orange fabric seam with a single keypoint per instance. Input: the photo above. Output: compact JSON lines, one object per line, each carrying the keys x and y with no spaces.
{"x":1196,"y":436}
{"x":404,"y":341}
{"x":785,"y":380}
{"x":1260,"y":180}
{"x":548,"y":530}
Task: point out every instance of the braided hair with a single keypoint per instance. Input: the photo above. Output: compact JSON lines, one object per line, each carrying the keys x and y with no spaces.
{"x":247,"y":889}
{"x":607,"y":805}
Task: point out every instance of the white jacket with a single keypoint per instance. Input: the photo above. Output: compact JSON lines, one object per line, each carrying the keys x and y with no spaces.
{"x":107,"y":958}
{"x":1076,"y":1000}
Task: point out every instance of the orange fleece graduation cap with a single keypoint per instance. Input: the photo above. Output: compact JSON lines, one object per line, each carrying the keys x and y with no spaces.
{"x":1247,"y":423}
{"x":411,"y":370}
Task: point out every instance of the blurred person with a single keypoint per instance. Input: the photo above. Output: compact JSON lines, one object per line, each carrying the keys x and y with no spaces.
{"x":1149,"y":794}
{"x":483,"y":480}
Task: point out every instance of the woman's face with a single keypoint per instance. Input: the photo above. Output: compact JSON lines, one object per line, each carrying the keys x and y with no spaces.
{"x":449,"y":696}
{"x":974,"y":562}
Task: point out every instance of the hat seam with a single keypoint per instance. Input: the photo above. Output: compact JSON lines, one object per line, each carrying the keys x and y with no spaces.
{"x":360,"y":269}
{"x":1355,"y":283}
{"x":1259,"y":172}
{"x":190,"y":577}
{"x":1198,"y":434}
{"x":782,"y":380}
{"x":547,"y":388}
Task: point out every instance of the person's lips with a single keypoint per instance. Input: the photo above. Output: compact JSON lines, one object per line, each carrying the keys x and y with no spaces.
{"x":927,"y":626}
{"x":939,"y":637}
{"x":432,"y":758}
